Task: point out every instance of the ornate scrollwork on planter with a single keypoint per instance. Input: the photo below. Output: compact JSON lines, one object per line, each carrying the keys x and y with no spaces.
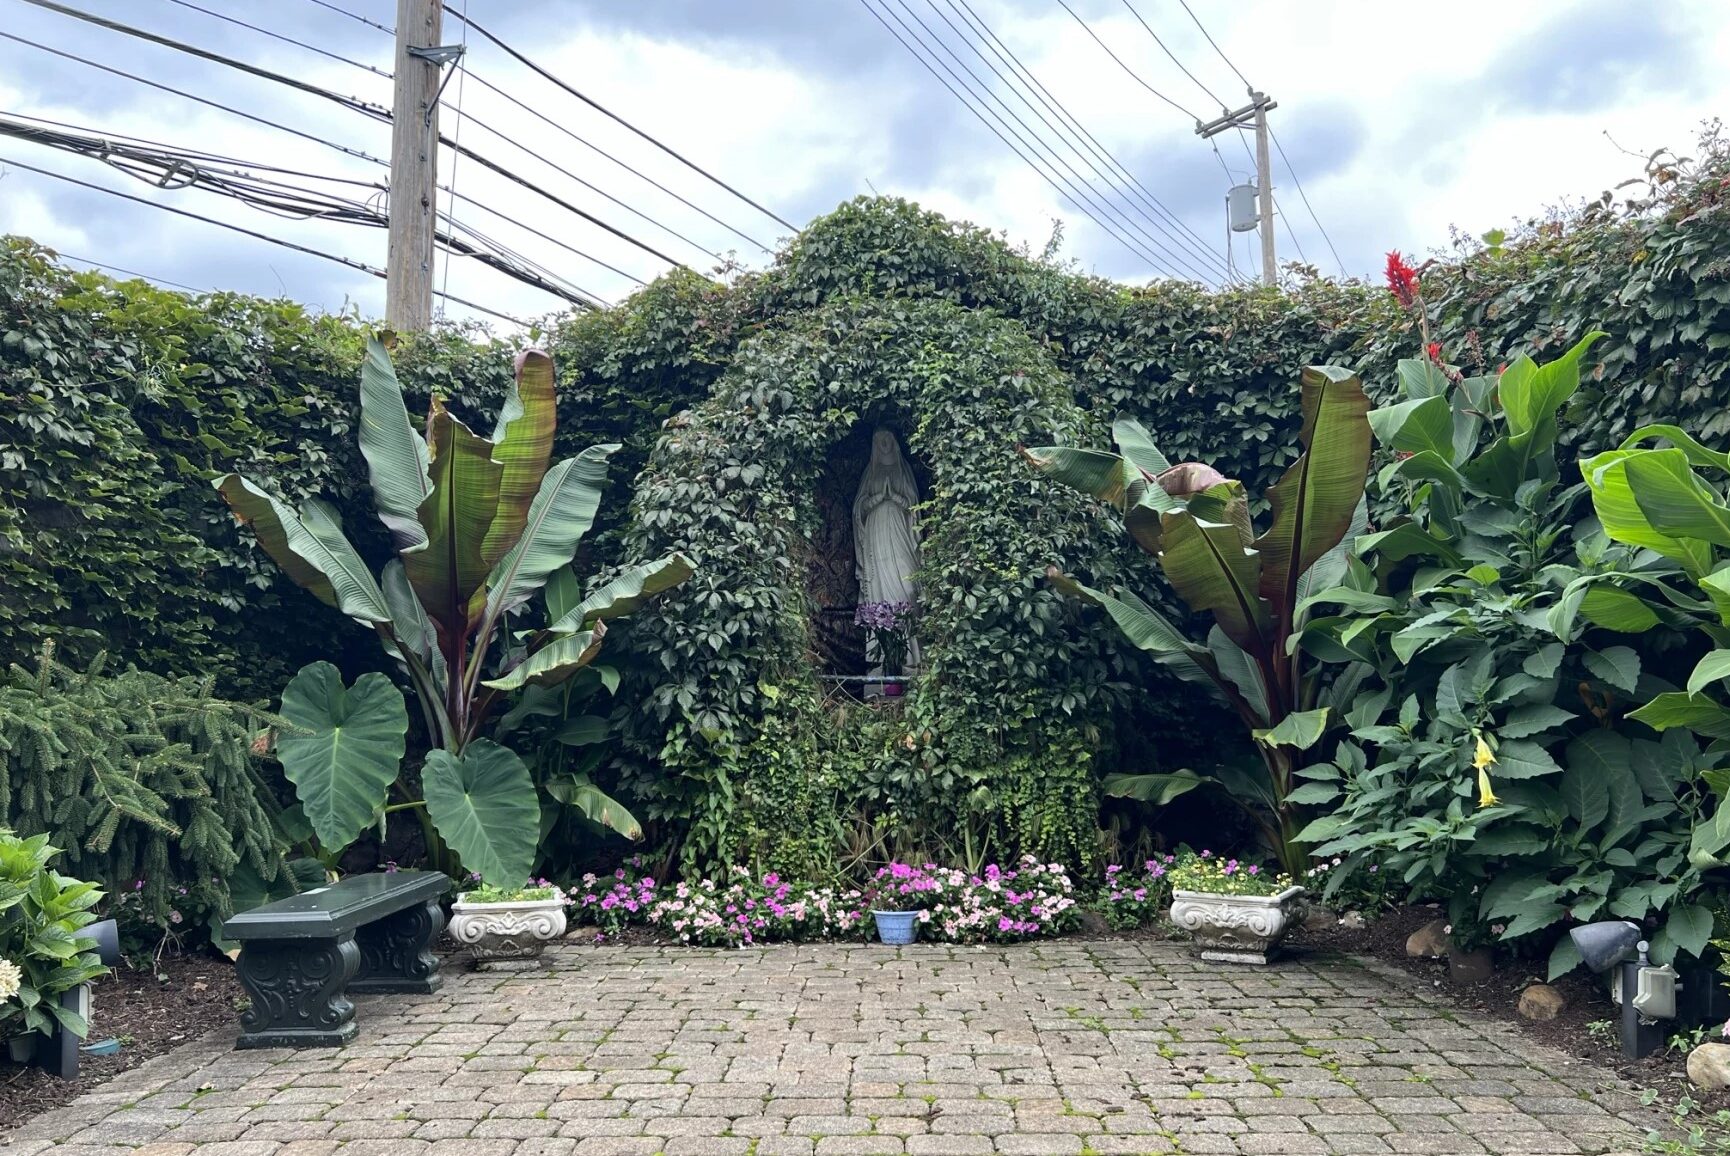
{"x":296,"y":987}
{"x":494,"y":931}
{"x":396,"y":952}
{"x":1236,"y":928}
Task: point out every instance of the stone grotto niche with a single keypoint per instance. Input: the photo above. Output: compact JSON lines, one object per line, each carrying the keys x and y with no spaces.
{"x":834,"y":569}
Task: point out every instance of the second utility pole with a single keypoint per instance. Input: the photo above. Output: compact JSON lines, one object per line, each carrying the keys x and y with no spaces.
{"x":413,"y":167}
{"x":1254,"y":113}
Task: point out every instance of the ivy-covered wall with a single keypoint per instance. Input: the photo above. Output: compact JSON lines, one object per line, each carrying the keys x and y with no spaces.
{"x":117,"y":400}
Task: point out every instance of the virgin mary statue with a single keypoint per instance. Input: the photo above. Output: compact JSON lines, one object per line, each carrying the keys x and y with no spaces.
{"x":884,"y":543}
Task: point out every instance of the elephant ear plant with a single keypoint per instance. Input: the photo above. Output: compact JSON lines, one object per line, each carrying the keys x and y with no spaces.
{"x":1197,"y":523}
{"x":480,"y":525}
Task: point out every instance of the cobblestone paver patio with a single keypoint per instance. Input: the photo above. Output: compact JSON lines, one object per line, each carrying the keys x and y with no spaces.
{"x":1067,"y":1047}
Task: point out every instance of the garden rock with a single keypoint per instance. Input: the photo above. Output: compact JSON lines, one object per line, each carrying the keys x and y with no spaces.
{"x":1541,"y":1002}
{"x":1709,"y":1067}
{"x":1429,"y":941}
{"x":1321,"y":919}
{"x":1353,"y":921}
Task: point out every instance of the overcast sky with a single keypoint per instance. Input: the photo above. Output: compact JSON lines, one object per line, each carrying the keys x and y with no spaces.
{"x":1402,"y":121}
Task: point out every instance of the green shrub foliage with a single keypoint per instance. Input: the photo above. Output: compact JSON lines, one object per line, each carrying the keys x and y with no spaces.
{"x":118,"y":401}
{"x":148,"y":783}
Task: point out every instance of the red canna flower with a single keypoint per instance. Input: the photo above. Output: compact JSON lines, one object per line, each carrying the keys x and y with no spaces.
{"x":1434,"y":349}
{"x":1402,"y":279}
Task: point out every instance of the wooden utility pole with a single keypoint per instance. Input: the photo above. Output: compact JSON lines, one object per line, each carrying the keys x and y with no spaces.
{"x":413,"y":166}
{"x":1254,"y":114}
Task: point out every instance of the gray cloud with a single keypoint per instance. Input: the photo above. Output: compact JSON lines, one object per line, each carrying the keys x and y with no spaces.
{"x":1592,"y":56}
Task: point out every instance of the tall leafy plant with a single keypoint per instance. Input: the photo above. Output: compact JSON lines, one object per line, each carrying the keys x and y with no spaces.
{"x":480,"y":526}
{"x":1482,"y":766}
{"x":1256,"y":587}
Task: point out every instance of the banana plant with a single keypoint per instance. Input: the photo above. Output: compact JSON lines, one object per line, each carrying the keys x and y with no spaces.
{"x":1669,"y":501}
{"x":1196,"y":522}
{"x":480,"y":526}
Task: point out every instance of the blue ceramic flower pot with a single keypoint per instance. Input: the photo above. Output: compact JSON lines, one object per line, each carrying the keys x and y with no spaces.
{"x":897,"y":927}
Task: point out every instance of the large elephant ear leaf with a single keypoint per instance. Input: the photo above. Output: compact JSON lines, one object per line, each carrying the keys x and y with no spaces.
{"x":522,"y":444}
{"x":346,"y":748}
{"x":1314,"y":501}
{"x":396,"y":456}
{"x":484,"y":805}
{"x":623,"y":595}
{"x":310,"y":548}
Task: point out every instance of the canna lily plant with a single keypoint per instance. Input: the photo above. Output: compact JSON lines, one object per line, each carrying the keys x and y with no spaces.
{"x":1197,"y":523}
{"x":480,"y":526}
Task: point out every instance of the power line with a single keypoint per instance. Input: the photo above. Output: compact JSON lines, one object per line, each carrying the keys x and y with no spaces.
{"x":173,"y":170}
{"x":1289,"y":233}
{"x":524,"y":60}
{"x":1274,"y":137}
{"x":376,"y":112}
{"x":337,"y":56}
{"x":340,"y":260}
{"x":462,"y":87}
{"x":1211,"y":40}
{"x":1195,"y":243}
{"x":554,"y":165}
{"x":216,"y":104}
{"x":1306,"y":200}
{"x":1078,"y":186}
{"x":1063,"y":135}
{"x":1013,"y":146}
{"x":351,"y":102}
{"x":341,"y":11}
{"x":128,"y":272}
{"x":1133,"y":75}
{"x":1173,"y":56}
{"x":537,"y":113}
{"x":170,"y":170}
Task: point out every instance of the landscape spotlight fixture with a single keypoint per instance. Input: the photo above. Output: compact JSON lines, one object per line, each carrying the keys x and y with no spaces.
{"x":1646,"y":993}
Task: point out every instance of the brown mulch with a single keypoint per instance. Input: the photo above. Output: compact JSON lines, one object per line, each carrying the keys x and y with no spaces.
{"x":150,"y":1010}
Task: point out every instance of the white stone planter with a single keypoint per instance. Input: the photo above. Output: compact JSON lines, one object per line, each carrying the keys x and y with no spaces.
{"x":1237,"y":928}
{"x":506,"y":930}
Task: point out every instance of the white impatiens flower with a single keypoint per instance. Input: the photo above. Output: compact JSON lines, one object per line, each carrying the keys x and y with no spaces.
{"x":11,"y":979}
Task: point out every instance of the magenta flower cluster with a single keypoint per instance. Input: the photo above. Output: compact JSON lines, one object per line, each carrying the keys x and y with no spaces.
{"x":1131,"y":899}
{"x":884,"y":616}
{"x":614,"y":902}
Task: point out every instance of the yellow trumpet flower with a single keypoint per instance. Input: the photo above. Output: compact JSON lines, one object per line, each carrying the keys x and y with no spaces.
{"x":1484,"y":759}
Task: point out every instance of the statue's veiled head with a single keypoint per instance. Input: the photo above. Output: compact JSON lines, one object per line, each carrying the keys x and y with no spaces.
{"x":884,"y":449}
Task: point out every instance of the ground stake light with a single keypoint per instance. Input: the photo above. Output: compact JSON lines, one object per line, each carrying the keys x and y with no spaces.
{"x":1646,"y":993}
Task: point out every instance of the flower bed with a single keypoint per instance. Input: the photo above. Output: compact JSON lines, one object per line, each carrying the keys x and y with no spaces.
{"x":997,"y":906}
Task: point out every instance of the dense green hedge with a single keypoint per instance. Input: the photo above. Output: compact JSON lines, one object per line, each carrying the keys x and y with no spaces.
{"x":117,"y":399}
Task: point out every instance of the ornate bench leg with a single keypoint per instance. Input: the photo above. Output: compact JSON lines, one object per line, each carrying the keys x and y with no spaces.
{"x":297,"y":992}
{"x":396,"y":952}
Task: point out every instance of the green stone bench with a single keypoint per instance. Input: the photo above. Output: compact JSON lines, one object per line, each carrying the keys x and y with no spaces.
{"x":301,"y":956}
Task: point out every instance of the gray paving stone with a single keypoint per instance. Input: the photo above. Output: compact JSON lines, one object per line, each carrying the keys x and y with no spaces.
{"x":1113,"y":1047}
